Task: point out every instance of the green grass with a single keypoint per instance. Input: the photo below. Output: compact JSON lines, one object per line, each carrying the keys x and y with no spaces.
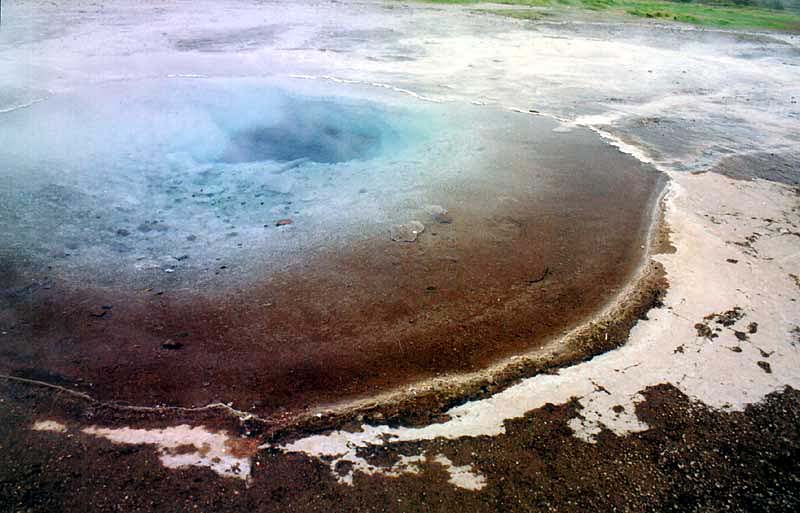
{"x":520,"y":14}
{"x":726,"y":15}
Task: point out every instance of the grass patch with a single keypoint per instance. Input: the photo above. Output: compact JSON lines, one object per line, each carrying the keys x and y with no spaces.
{"x":726,"y":15}
{"x":644,"y":13}
{"x":518,"y":14}
{"x":730,"y":16}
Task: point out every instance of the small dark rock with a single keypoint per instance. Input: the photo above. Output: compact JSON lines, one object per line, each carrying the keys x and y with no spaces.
{"x":704,"y":331}
{"x":727,"y":318}
{"x":765,"y":366}
{"x":545,"y":273}
{"x":171,"y":345}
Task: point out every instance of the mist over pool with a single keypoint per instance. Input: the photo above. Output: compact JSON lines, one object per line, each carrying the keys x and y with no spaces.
{"x":176,"y":174}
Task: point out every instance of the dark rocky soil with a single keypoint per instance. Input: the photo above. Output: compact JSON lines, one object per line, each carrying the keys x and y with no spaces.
{"x":692,"y":459}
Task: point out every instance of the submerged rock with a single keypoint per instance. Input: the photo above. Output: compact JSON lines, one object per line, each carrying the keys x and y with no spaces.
{"x":439,"y":214}
{"x":407,"y":232}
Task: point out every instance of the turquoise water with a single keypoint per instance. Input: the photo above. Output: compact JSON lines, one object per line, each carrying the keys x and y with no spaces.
{"x":170,"y":174}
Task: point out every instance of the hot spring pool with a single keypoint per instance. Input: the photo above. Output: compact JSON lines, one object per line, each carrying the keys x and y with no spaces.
{"x":191,"y":240}
{"x":176,"y":175}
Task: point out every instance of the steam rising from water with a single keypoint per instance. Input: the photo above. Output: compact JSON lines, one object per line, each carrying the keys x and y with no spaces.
{"x":169,"y":173}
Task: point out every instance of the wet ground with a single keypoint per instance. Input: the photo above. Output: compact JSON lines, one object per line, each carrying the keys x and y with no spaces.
{"x":506,"y":200}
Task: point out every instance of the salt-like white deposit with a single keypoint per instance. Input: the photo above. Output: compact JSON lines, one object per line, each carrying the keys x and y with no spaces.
{"x":462,"y":476}
{"x":49,"y":425}
{"x":182,"y":446}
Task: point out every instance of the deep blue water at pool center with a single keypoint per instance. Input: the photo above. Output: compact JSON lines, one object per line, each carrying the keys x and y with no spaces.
{"x":317,"y":130}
